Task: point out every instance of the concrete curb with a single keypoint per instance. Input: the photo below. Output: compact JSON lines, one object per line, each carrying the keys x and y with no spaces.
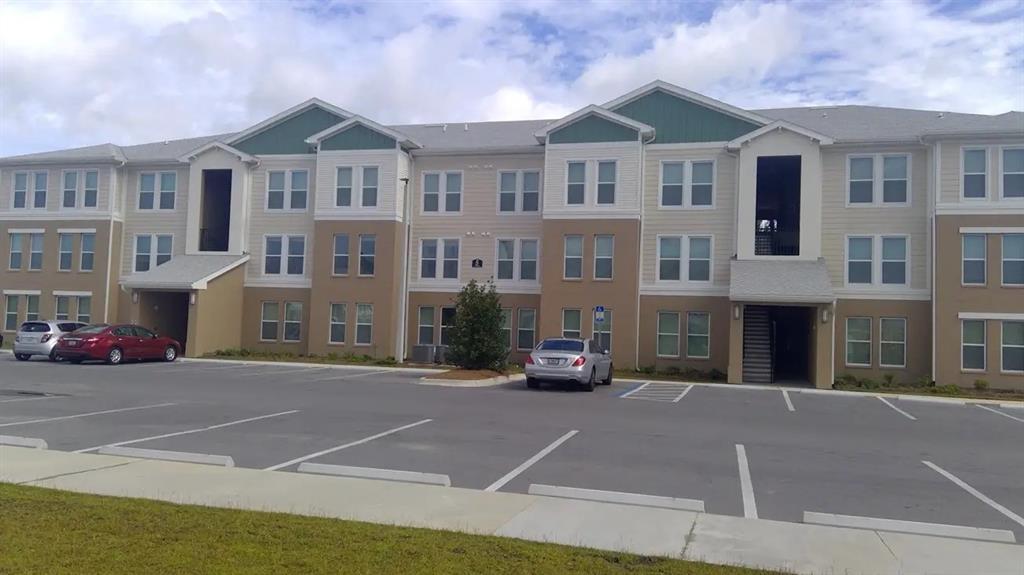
{"x":310,"y":364}
{"x":898,"y":526}
{"x":375,"y":473}
{"x":179,"y":456}
{"x":638,"y":499}
{"x":16,"y":441}
{"x":490,"y":382}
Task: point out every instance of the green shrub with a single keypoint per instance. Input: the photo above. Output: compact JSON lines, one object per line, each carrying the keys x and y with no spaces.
{"x":890,"y":380}
{"x":646,"y":369}
{"x":716,"y":375}
{"x":672,"y":370}
{"x":868,"y":383}
{"x":476,"y":339}
{"x":947,"y":390}
{"x":386,"y":361}
{"x":981,"y":385}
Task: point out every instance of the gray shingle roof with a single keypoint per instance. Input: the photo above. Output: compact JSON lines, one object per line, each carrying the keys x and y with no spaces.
{"x":780,"y":281}
{"x":97,"y":153}
{"x":184,"y":272}
{"x":471,"y":136}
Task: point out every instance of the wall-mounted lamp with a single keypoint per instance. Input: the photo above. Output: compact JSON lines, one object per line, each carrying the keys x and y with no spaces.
{"x":135,"y":296}
{"x":736,"y":311}
{"x":192,"y":298}
{"x":824,"y":315}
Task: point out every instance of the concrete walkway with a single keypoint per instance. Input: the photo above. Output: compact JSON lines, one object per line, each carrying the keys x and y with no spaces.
{"x":792,"y":547}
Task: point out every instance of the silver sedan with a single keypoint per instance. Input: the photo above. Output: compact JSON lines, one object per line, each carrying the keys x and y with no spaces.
{"x":578,"y":361}
{"x":40,"y":338}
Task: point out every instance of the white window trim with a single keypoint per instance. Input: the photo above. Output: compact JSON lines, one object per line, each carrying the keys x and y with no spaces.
{"x":355,"y":336}
{"x":586,"y":188}
{"x":519,"y":327}
{"x":983,"y":344}
{"x":156,"y":192}
{"x":687,"y":184}
{"x":440,"y":259}
{"x":516,"y":258}
{"x":846,"y":342}
{"x":153,"y":241}
{"x":577,"y":310}
{"x":79,"y":187}
{"x":1003,"y":259}
{"x":285,"y":241}
{"x":362,"y":169}
{"x":964,"y":259}
{"x":442,"y":186}
{"x":285,"y":322}
{"x":963,"y":173}
{"x":61,"y":252}
{"x":878,"y":180}
{"x":684,"y":260}
{"x":598,"y":182}
{"x":420,"y":325}
{"x":882,"y":341}
{"x":334,"y":254}
{"x":287,"y":200}
{"x":84,"y":188}
{"x":1002,"y":348}
{"x":359,"y":260}
{"x":1002,"y":173}
{"x":331,"y":323}
{"x":519,"y":192}
{"x":519,"y":261}
{"x":876,"y":263}
{"x":612,"y":258}
{"x":708,"y":335}
{"x":277,"y":322}
{"x":30,"y":179}
{"x":82,"y":252}
{"x":23,"y":238}
{"x":353,"y":193}
{"x":659,"y":333}
{"x":27,"y":242}
{"x":565,"y":255}
{"x":78,"y":307}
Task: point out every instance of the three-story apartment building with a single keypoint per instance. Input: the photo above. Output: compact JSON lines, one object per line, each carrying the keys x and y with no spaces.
{"x":780,"y":245}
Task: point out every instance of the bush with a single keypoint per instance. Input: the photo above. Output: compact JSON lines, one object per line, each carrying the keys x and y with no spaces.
{"x":647,"y":369}
{"x":476,"y":340}
{"x":890,"y":379}
{"x":981,"y":385}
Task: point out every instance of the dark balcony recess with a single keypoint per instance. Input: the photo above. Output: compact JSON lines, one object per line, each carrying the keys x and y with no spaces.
{"x":777,"y":218}
{"x":215,"y":211}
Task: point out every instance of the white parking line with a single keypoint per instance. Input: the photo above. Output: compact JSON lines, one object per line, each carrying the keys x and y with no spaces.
{"x":284,"y":371}
{"x":683,"y":394}
{"x":31,"y":398}
{"x":749,"y":504}
{"x":634,"y":390}
{"x":904,"y":413}
{"x":529,"y":462}
{"x":345,"y":446}
{"x":963,"y":485}
{"x":86,"y":414}
{"x":639,"y":499}
{"x":350,"y":376}
{"x":987,"y":408}
{"x":789,"y":403}
{"x":188,"y":432}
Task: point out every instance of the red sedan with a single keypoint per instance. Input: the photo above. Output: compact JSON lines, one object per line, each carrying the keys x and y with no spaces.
{"x":116,"y":343}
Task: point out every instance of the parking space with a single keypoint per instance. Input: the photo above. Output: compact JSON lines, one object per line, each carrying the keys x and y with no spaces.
{"x":740,"y":451}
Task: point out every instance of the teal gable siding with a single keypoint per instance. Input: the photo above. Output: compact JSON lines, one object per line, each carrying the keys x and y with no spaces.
{"x":592,"y":129}
{"x":288,"y":137}
{"x":358,"y":137}
{"x":676,"y":120}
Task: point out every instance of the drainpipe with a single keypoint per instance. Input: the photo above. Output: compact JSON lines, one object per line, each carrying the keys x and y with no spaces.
{"x":403,"y":312}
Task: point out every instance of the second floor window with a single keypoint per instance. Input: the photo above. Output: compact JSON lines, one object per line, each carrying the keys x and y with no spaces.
{"x":510,"y":259}
{"x":604,"y":252}
{"x":17,"y":252}
{"x":343,"y":187}
{"x":65,"y":254}
{"x":573,"y":265}
{"x":69,"y":199}
{"x":341,"y":254}
{"x":606,"y":179}
{"x":20,"y":199}
{"x":291,"y":249}
{"x":39,"y":193}
{"x":368,"y":199}
{"x":1013,"y":173}
{"x":1013,"y":260}
{"x":287,"y":190}
{"x":367,"y":255}
{"x":506,"y":259}
{"x":974,"y":259}
{"x":694,"y":191}
{"x":892,"y":260}
{"x":35,"y":252}
{"x":694,"y":250}
{"x":442,"y":192}
{"x":975,"y":174}
{"x":448,"y":250}
{"x":518,"y":191}
{"x":151,"y":251}
{"x":88,"y":254}
{"x":80,"y":186}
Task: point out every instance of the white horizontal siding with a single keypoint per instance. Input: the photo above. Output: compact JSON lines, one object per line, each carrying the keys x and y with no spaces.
{"x":264,"y":222}
{"x":154,"y":221}
{"x":55,"y":189}
{"x":627,"y":189}
{"x":387,"y":183}
{"x":951,"y":170}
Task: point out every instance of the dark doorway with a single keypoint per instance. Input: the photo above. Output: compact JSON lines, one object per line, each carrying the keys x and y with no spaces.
{"x":777,"y":219}
{"x":215,"y":211}
{"x":791,"y":344}
{"x":166,"y":313}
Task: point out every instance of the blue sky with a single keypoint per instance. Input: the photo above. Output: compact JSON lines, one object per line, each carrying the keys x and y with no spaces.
{"x":81,"y":73}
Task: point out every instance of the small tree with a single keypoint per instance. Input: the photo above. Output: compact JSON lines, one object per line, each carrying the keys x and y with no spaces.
{"x":476,"y":340}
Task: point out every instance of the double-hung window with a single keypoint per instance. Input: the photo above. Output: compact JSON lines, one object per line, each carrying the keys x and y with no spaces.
{"x":859,"y":260}
{"x":447,"y":323}
{"x":88,"y":184}
{"x":529,"y":191}
{"x":368,"y":198}
{"x":858,"y":341}
{"x":84,"y":309}
{"x":890,"y":253}
{"x":702,"y":183}
{"x":668,"y":334}
{"x":20,"y":199}
{"x":35,"y":252}
{"x":438,"y":184}
{"x":528,"y":260}
{"x":11,"y":313}
{"x":604,"y":252}
{"x":672,"y":181}
{"x":1012,"y":351}
{"x":670,"y":255}
{"x":573,"y":264}
{"x":508,"y":262}
{"x":447,"y":250}
{"x":287,"y":190}
{"x":508,"y":183}
{"x":603,"y":331}
{"x":606,"y":179}
{"x":336,"y":333}
{"x":291,"y":249}
{"x":450,"y":266}
{"x":862,"y":180}
{"x":894,"y":179}
{"x":364,"y":324}
{"x":340,"y":255}
{"x":974,"y":248}
{"x":699,"y":259}
{"x":526,"y":329}
{"x":1013,"y":173}
{"x":576,"y":183}
{"x":892,"y":342}
{"x":571,"y":323}
{"x":518,"y":191}
{"x":428,"y":259}
{"x":269,"y":320}
{"x":698,"y":335}
{"x":343,"y":187}
{"x":697,"y":255}
{"x":894,"y":260}
{"x":687,"y":184}
{"x":17,"y":251}
{"x":888,"y":172}
{"x":152,"y":247}
{"x":39,"y":192}
{"x":292,"y":321}
{"x":972,"y":344}
{"x":63,"y":308}
{"x":506,"y":259}
{"x":168,"y":189}
{"x":975,"y":174}
{"x":88,"y":252}
{"x":32,"y":308}
{"x":152,"y":183}
{"x":65,"y":246}
{"x":296,"y":256}
{"x":69,"y":199}
{"x":1013,"y":260}
{"x":91,"y":193}
{"x":367,"y":254}
{"x":425,"y":322}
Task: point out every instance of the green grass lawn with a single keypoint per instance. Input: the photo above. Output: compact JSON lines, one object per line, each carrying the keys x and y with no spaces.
{"x":49,"y":532}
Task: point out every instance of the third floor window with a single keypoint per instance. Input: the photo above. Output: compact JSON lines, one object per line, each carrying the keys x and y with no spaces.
{"x":442,"y":192}
{"x":287,"y":190}
{"x":157,"y":190}
{"x":687,"y":184}
{"x":878,"y":179}
{"x":518,"y":191}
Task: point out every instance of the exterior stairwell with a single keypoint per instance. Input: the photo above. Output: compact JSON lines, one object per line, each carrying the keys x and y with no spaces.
{"x":757,"y":345}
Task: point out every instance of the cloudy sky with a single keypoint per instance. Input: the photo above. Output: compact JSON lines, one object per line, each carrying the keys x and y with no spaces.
{"x":82,"y":73}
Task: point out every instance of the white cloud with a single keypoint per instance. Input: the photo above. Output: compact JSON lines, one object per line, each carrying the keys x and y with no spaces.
{"x":174,"y":69}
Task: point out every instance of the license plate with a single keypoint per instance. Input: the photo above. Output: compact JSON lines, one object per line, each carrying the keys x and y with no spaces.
{"x":27,"y":339}
{"x":72,"y":343}
{"x":553,"y":361}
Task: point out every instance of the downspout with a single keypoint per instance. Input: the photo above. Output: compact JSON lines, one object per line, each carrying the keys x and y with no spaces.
{"x":933,"y":193}
{"x":110,"y":251}
{"x":403,"y":313}
{"x":640,"y":258}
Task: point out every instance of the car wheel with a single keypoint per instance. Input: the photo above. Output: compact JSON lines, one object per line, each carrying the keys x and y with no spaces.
{"x":532,"y":383}
{"x":114,"y":356}
{"x":608,"y":380}
{"x":589,"y":386}
{"x":22,"y":356}
{"x":171,"y":353}
{"x":54,"y":356}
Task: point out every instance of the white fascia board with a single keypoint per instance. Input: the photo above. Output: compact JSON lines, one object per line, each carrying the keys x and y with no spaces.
{"x":242,"y":156}
{"x":644,"y":129}
{"x":688,"y":95}
{"x":201,"y":283}
{"x":342,"y":126}
{"x":780,"y":125}
{"x":287,"y":114}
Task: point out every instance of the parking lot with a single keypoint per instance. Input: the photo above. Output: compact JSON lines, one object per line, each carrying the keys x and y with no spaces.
{"x":738,"y":451}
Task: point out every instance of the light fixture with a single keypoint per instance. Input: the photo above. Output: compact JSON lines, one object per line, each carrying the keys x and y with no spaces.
{"x":135,"y":296}
{"x":736,"y":311}
{"x":192,"y":298}
{"x":824,"y":315}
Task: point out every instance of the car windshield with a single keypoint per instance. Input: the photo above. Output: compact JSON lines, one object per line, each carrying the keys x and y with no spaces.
{"x":35,"y":327}
{"x":560,"y":345}
{"x":91,"y":329}
{"x":66,"y":327}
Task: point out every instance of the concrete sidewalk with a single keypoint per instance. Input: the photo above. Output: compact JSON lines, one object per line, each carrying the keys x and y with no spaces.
{"x":792,"y":547}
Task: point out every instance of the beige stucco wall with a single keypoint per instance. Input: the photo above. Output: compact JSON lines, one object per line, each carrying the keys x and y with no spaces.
{"x":718,"y":307}
{"x":918,"y":345}
{"x":253,"y":298}
{"x":215,"y":321}
{"x":820,"y":341}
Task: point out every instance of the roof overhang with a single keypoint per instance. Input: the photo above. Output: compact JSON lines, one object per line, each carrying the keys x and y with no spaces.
{"x":687,"y":95}
{"x":780,"y":281}
{"x":317,"y":102}
{"x":184,"y":272}
{"x":405,"y":141}
{"x":779,"y":125}
{"x":242,"y":156}
{"x":647,"y":132}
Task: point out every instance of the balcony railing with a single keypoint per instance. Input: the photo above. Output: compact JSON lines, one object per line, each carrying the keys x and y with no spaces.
{"x":777,"y":243}
{"x":213,"y":240}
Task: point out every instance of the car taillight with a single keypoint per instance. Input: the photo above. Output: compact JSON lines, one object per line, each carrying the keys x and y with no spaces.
{"x":91,"y":339}
{"x":529,"y":360}
{"x":579,"y":361}
{"x":45,"y":338}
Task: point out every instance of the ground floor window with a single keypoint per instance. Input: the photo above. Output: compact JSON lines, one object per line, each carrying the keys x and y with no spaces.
{"x":11,"y":313}
{"x":63,"y":308}
{"x":527,"y":329}
{"x":1013,"y":346}
{"x":506,"y":325}
{"x":858,"y":341}
{"x":32,"y":313}
{"x":698,"y":334}
{"x":364,"y":324}
{"x":269,"y":318}
{"x":447,"y":322}
{"x":337,"y":327}
{"x":603,"y":331}
{"x":972,"y":344}
{"x":85,"y":309}
{"x":668,"y":334}
{"x":571,"y":320}
{"x":426,"y":325}
{"x":292,"y":321}
{"x":892,"y":342}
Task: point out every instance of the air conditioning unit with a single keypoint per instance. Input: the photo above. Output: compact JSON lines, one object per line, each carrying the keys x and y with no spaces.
{"x":423,"y":353}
